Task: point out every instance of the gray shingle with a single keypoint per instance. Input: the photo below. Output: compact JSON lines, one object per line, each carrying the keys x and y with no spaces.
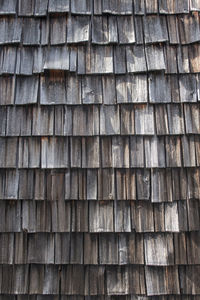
{"x":58,"y":29}
{"x":159,"y":88}
{"x":99,"y":60}
{"x":126,"y":30}
{"x":81,"y":7}
{"x":57,"y":58}
{"x":189,"y":28}
{"x":85,"y":120}
{"x":135,"y":57}
{"x":104,"y":30}
{"x":26,"y":8}
{"x":109,"y":120}
{"x":9,"y":60}
{"x":8,"y":7}
{"x":155,"y":29}
{"x":91,"y":89}
{"x":26,"y":89}
{"x":155,"y":58}
{"x":52,"y":89}
{"x":40,"y":7}
{"x":54,"y":152}
{"x":159,"y":249}
{"x":139,"y":7}
{"x":31,"y":31}
{"x":144,"y":120}
{"x":188,"y":88}
{"x":177,"y":7}
{"x":7,"y":90}
{"x":118,"y":7}
{"x":59,"y":6}
{"x":131,"y":88}
{"x":24,"y":65}
{"x":11,"y":30}
{"x":78,"y":29}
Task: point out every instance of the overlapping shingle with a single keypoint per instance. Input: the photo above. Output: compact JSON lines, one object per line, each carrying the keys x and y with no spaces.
{"x":99,"y":150}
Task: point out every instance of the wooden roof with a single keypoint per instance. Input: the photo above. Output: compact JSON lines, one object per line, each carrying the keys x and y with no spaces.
{"x":99,"y":149}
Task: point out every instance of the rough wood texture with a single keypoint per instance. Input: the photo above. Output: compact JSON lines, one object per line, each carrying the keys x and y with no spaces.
{"x":99,"y":149}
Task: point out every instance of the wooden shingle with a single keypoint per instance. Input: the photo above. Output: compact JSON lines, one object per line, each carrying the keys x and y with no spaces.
{"x":8,"y":7}
{"x":81,"y":7}
{"x":99,"y":150}
{"x":78,"y":29}
{"x":155,"y":29}
{"x":159,"y":249}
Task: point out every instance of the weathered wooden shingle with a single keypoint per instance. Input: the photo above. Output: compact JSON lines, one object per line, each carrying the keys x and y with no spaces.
{"x":7,"y":90}
{"x":109,"y":120}
{"x":159,"y":249}
{"x":60,"y":6}
{"x":119,"y":7}
{"x":189,"y":28}
{"x":40,"y":7}
{"x":91,"y":88}
{"x":135,"y":57}
{"x":26,"y":90}
{"x":43,"y":121}
{"x":101,"y":216}
{"x":155,"y":29}
{"x":99,"y":60}
{"x":29,"y":152}
{"x":162,"y":280}
{"x":188,"y":88}
{"x":54,"y":154}
{"x":11,"y":30}
{"x":78,"y":29}
{"x":8,"y":7}
{"x":52,"y":89}
{"x":131,"y":88}
{"x":82,"y":7}
{"x":139,"y":7}
{"x":23,"y":115}
{"x":26,"y":8}
{"x":104,"y":30}
{"x":57,"y":58}
{"x":24,"y":64}
{"x":99,"y":149}
{"x":8,"y":60}
{"x":58,"y":30}
{"x":144,"y":120}
{"x":159,"y":88}
{"x":189,"y":282}
{"x":85,"y":121}
{"x":155,"y":58}
{"x":126,"y":30}
{"x":194,"y":5}
{"x":175,"y":7}
{"x":31,"y":31}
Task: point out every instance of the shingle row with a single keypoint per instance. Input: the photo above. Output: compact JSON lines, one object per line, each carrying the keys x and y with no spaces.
{"x":118,"y":59}
{"x":41,"y":279}
{"x":104,"y":30}
{"x":101,"y":297}
{"x":118,"y":7}
{"x":99,"y":216}
{"x":58,"y":88}
{"x":124,"y":119}
{"x":156,"y":185}
{"x":95,"y":152}
{"x":153,"y":249}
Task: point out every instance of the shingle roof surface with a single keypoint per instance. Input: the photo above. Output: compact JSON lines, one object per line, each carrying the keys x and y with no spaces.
{"x":99,"y":149}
